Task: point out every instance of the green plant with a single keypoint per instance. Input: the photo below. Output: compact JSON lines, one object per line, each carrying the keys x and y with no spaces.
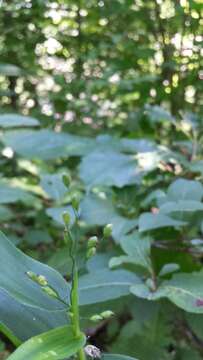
{"x":109,"y":94}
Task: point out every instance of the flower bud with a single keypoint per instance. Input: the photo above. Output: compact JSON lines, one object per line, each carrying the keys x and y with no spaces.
{"x":107,"y":230}
{"x":39,"y":279}
{"x":96,"y":318}
{"x":42,"y":280}
{"x":66,"y":180}
{"x":32,"y":275}
{"x":107,"y":314}
{"x":92,"y":242}
{"x":66,"y":218}
{"x":75,"y":203}
{"x":49,"y":291}
{"x":91,"y":252}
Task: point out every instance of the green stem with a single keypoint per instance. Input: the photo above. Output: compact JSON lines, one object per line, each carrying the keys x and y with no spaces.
{"x":74,"y":294}
{"x":74,"y":303}
{"x":75,"y":309}
{"x":4,"y":330}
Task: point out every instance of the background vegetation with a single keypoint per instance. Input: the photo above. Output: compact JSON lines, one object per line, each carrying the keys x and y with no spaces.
{"x":110,"y":94}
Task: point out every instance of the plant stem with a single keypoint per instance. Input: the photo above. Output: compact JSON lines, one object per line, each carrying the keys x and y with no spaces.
{"x":74,"y":296}
{"x":75,"y":309}
{"x":74,"y":303}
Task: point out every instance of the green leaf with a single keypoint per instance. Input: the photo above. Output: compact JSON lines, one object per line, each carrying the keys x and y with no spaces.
{"x":15,"y":120}
{"x":36,"y":237}
{"x":53,"y":186}
{"x":149,"y":221}
{"x":147,"y":335}
{"x":183,"y":189}
{"x":102,"y":285}
{"x":11,"y":194}
{"x":15,"y":281}
{"x":157,"y":113}
{"x":10,"y":70}
{"x":181,"y":206}
{"x":25,"y":321}
{"x":5,"y":213}
{"x":138,"y":248}
{"x":168,"y":269}
{"x":121,"y":260}
{"x":46,"y":144}
{"x":109,"y":168}
{"x":56,"y":213}
{"x":56,"y":344}
{"x":184,"y":290}
{"x":99,"y":210}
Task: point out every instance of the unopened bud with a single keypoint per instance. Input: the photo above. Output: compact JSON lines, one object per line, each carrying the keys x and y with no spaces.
{"x":32,"y":275}
{"x":107,"y":314}
{"x":75,"y":203}
{"x":39,"y":279}
{"x":66,"y":218}
{"x":91,"y":252}
{"x":107,"y":230}
{"x":96,"y":318}
{"x":66,"y":180}
{"x":42,"y":280}
{"x":49,"y":291}
{"x":92,"y":241}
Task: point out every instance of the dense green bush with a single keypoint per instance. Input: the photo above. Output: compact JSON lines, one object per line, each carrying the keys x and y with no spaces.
{"x":101,"y":187}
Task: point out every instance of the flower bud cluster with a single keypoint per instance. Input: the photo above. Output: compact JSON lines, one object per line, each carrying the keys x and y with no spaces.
{"x":103,"y":316}
{"x":43,"y":282}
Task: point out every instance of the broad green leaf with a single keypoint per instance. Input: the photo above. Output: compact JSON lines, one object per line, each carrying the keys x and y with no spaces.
{"x":109,"y":168}
{"x":61,"y":260}
{"x":15,"y":120}
{"x":99,"y":210}
{"x":149,"y":221}
{"x":56,"y":344}
{"x":195,"y":323}
{"x":53,"y":186}
{"x":99,"y":261}
{"x":36,"y":237}
{"x":147,"y":335}
{"x":10,"y":70}
{"x":15,"y":281}
{"x":56,"y":213}
{"x":102,"y":285}
{"x":138,"y":248}
{"x":196,"y":166}
{"x":168,"y":269}
{"x":183,"y":189}
{"x":158,"y":114}
{"x":25,"y":321}
{"x":110,"y":143}
{"x":11,"y":194}
{"x":184,"y":290}
{"x":5,"y":213}
{"x":46,"y":144}
{"x":181,"y":206}
{"x":154,"y":195}
{"x":120,"y":260}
